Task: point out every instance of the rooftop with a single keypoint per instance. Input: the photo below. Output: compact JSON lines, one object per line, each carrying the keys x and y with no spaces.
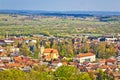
{"x":85,"y":55}
{"x":50,"y":50}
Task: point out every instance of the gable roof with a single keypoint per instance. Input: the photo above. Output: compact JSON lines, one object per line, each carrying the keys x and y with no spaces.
{"x":17,"y":59}
{"x":85,"y":55}
{"x":50,"y":50}
{"x":110,"y":60}
{"x":2,"y":54}
{"x":13,"y":65}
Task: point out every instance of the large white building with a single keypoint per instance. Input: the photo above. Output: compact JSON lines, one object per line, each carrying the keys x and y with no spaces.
{"x":85,"y":57}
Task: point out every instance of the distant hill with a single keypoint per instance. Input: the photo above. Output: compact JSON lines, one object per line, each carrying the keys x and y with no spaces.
{"x":61,"y":13}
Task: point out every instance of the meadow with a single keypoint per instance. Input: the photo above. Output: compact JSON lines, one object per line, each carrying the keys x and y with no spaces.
{"x":53,"y":25}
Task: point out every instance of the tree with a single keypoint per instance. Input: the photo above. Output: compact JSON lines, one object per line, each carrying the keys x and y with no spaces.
{"x":66,"y":72}
{"x":110,"y":50}
{"x":84,"y":76}
{"x":13,"y":74}
{"x":103,"y":50}
{"x":8,"y":50}
{"x":102,"y":75}
{"x":70,"y":73}
{"x":62,"y":49}
{"x":24,"y":49}
{"x":92,"y":75}
{"x":85,"y":48}
{"x":46,"y":33}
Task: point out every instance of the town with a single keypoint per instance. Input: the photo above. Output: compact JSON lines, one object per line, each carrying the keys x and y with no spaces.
{"x":97,"y":56}
{"x":59,"y":39}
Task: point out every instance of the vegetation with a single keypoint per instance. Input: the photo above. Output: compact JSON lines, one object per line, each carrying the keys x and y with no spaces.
{"x":71,"y":73}
{"x":20,"y":25}
{"x":39,"y":73}
{"x":58,"y":26}
{"x":104,"y":50}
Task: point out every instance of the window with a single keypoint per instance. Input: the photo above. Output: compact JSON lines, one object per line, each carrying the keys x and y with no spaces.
{"x":87,"y":60}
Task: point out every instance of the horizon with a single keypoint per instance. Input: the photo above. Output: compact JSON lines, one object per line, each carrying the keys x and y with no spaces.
{"x":55,"y":10}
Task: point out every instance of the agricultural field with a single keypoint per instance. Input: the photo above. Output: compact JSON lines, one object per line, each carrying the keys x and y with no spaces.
{"x":54,"y":25}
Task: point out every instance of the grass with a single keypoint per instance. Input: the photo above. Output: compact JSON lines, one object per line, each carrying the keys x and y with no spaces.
{"x":61,"y":26}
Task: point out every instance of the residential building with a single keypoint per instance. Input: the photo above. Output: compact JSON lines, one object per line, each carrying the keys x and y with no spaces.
{"x":50,"y":54}
{"x":85,"y":57}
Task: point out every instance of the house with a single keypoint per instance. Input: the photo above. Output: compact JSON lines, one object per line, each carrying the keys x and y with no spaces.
{"x":5,"y":59}
{"x":2,"y":52}
{"x":2,"y":65}
{"x":85,"y":57}
{"x":12,"y":65}
{"x":25,"y":69}
{"x":17,"y":59}
{"x":3,"y":42}
{"x":14,"y":50}
{"x":111,"y":39}
{"x":102,"y":61}
{"x":110,"y":62}
{"x":1,"y":49}
{"x":118,"y":60}
{"x":50,"y":54}
{"x":116,"y":76}
{"x":103,"y":67}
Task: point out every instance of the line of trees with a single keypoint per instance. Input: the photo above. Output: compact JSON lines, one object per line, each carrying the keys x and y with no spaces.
{"x":61,"y":73}
{"x":40,"y":73}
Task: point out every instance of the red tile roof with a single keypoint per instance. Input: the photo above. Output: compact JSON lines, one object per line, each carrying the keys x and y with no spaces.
{"x":13,"y":65}
{"x":18,"y":59}
{"x":110,"y":60}
{"x":103,"y":67}
{"x":85,"y":55}
{"x":50,"y":50}
{"x":2,"y":54}
{"x":64,"y":63}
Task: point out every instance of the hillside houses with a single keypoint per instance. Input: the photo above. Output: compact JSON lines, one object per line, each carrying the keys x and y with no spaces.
{"x":47,"y":51}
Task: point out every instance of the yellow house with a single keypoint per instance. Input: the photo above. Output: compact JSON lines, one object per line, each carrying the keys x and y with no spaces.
{"x":50,"y":53}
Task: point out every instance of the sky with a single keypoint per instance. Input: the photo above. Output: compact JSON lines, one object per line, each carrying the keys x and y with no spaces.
{"x":61,"y":5}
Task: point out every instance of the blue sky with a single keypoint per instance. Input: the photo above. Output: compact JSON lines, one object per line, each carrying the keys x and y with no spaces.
{"x":61,"y":5}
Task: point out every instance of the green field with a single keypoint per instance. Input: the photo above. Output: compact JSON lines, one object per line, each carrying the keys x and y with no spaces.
{"x":60,"y":26}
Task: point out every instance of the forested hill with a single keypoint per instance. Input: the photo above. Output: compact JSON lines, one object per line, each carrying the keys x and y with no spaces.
{"x":60,"y":13}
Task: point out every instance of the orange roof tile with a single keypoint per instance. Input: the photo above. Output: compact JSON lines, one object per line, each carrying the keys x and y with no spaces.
{"x":103,"y":67}
{"x":112,"y":67}
{"x":64,"y":63}
{"x":115,"y":74}
{"x":2,"y":54}
{"x":13,"y":65}
{"x":102,"y":61}
{"x":89,"y":71}
{"x":85,"y":55}
{"x":50,"y":50}
{"x":110,"y":60}
{"x":18,"y":58}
